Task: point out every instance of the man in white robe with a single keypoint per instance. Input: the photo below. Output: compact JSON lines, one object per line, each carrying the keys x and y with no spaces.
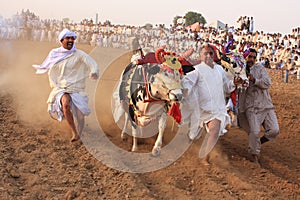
{"x":204,"y":102}
{"x":68,"y":69}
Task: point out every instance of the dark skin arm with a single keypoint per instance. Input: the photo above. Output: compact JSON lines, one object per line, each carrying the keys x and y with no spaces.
{"x":251,"y":78}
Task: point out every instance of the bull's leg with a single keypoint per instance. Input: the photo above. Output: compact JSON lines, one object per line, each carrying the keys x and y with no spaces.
{"x":161,"y":128}
{"x":123,"y":134}
{"x":134,"y":142}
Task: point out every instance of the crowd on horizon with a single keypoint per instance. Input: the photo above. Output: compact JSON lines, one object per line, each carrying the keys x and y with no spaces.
{"x":275,"y":50}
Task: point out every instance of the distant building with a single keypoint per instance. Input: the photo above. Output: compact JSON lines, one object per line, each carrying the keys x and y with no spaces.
{"x":217,"y":24}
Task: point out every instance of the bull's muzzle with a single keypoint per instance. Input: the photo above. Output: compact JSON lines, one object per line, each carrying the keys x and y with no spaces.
{"x":175,"y":95}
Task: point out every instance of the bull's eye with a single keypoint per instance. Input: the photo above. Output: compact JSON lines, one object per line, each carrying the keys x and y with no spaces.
{"x":234,"y":65}
{"x":174,"y":61}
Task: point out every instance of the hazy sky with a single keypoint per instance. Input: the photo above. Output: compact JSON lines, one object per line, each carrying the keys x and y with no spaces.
{"x":269,"y":15}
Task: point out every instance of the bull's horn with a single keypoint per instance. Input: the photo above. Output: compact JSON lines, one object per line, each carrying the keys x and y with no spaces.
{"x":158,"y":55}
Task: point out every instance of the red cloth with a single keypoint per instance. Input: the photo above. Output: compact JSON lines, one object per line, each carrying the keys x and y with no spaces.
{"x":233,"y":97}
{"x":149,"y":58}
{"x":175,"y":112}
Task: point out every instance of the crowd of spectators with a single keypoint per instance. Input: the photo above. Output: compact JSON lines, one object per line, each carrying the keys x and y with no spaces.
{"x":275,"y":50}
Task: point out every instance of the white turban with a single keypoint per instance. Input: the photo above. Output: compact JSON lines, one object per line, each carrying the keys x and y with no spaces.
{"x":66,"y":33}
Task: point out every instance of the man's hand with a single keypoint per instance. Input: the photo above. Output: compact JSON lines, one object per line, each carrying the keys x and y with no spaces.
{"x":251,"y":78}
{"x":94,"y":76}
{"x":238,"y":81}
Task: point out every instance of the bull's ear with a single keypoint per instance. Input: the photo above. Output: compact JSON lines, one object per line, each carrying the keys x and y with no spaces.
{"x":225,"y":58}
{"x":154,"y":70}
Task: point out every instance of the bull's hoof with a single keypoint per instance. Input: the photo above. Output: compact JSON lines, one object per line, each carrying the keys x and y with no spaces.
{"x":156,"y":151}
{"x":134,"y":149}
{"x":228,"y":126}
{"x":124,"y":136}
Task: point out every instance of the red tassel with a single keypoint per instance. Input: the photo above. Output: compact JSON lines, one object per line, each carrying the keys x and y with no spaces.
{"x":175,"y":112}
{"x":233,"y":97}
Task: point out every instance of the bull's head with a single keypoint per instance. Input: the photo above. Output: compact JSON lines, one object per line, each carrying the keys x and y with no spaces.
{"x":167,"y":82}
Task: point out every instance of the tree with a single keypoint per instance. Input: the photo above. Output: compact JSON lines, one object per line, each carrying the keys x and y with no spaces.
{"x":190,"y":18}
{"x":193,"y":17}
{"x":66,"y":20}
{"x":175,"y":20}
{"x":148,"y":26}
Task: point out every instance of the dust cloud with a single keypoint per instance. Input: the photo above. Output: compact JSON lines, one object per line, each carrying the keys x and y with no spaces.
{"x":18,"y":79}
{"x":30,"y":91}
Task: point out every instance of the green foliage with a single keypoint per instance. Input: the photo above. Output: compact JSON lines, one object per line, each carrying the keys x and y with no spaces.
{"x":148,"y":26}
{"x":66,"y":20}
{"x":193,"y":17}
{"x":175,"y":20}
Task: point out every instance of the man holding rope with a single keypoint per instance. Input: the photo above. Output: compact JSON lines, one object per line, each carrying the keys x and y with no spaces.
{"x":256,"y":108}
{"x":68,"y":69}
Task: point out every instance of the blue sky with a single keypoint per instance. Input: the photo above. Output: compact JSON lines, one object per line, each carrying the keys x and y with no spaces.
{"x":269,"y":16}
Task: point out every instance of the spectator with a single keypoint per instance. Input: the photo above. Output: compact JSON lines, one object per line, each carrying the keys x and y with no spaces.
{"x":251,"y":28}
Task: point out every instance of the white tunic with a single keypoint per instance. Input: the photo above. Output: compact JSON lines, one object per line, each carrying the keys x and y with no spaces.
{"x":205,"y":96}
{"x":69,"y":76}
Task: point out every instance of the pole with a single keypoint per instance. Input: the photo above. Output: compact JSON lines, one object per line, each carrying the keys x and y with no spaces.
{"x":96,"y":18}
{"x":286,"y":76}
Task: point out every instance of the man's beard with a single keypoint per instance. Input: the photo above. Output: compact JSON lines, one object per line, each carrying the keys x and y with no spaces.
{"x":70,"y":44}
{"x":249,"y":63}
{"x":209,"y":62}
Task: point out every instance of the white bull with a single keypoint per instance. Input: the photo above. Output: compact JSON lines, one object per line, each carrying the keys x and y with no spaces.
{"x":149,"y":89}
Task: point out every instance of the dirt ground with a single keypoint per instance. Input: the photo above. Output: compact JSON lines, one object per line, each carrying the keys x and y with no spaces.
{"x":38,"y":161}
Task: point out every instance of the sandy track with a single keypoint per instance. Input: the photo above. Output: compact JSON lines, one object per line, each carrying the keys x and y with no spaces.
{"x":38,"y":162}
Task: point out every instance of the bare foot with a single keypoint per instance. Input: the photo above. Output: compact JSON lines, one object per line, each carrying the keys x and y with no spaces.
{"x":74,"y":138}
{"x":205,"y":161}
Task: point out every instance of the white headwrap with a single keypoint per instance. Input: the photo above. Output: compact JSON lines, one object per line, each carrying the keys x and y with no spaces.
{"x":66,"y":33}
{"x":57,"y":54}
